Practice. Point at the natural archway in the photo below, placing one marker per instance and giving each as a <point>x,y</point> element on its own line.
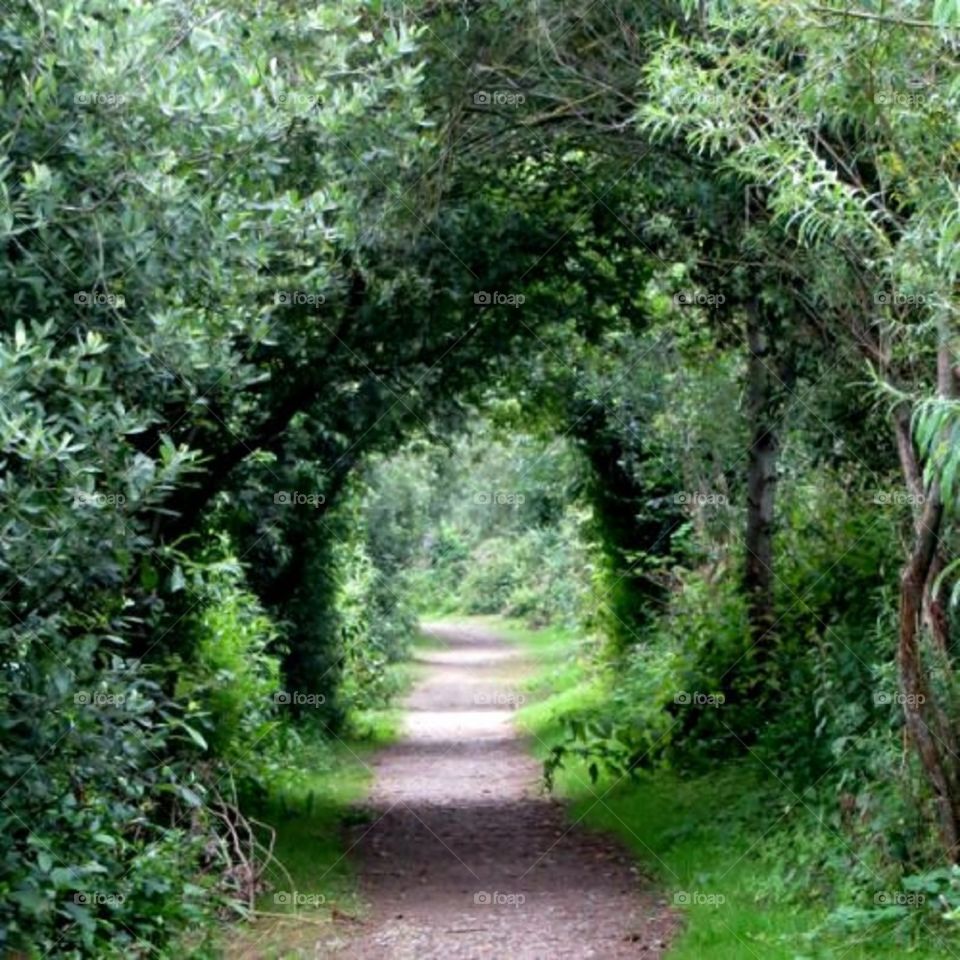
<point>282,283</point>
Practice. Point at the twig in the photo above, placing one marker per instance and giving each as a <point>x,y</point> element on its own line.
<point>296,917</point>
<point>881,18</point>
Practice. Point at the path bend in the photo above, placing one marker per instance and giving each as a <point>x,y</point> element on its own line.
<point>464,856</point>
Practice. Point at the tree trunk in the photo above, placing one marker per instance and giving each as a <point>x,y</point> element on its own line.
<point>758,576</point>
<point>928,726</point>
<point>934,611</point>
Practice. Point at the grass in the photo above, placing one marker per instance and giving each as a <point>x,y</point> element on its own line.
<point>310,811</point>
<point>753,872</point>
<point>725,835</point>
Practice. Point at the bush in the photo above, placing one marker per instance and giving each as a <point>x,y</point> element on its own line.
<point>230,665</point>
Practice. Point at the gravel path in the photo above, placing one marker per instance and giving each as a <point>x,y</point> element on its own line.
<point>464,856</point>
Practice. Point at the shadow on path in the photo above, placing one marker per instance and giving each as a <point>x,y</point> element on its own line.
<point>463,856</point>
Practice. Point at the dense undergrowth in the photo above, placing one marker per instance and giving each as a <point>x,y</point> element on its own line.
<point>635,318</point>
<point>310,882</point>
<point>792,799</point>
<point>758,865</point>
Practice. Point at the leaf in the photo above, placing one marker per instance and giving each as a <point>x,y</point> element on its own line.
<point>191,797</point>
<point>194,735</point>
<point>31,901</point>
<point>80,915</point>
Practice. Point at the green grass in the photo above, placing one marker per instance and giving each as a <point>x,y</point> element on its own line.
<point>727,834</point>
<point>310,811</point>
<point>754,868</point>
<point>309,815</point>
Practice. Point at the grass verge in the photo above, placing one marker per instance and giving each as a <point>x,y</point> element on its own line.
<point>313,884</point>
<point>753,868</point>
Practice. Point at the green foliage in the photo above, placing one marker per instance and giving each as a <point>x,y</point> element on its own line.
<point>689,692</point>
<point>302,337</point>
<point>793,870</point>
<point>93,857</point>
<point>493,525</point>
<point>376,626</point>
<point>230,674</point>
<point>168,171</point>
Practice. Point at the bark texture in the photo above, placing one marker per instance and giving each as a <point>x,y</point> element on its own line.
<point>758,575</point>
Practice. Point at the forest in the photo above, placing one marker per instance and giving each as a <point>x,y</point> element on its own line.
<point>353,349</point>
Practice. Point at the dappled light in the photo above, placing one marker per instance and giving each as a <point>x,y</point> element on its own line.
<point>479,479</point>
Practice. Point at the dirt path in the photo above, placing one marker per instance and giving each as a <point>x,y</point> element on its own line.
<point>464,856</point>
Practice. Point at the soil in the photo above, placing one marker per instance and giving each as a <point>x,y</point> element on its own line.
<point>463,854</point>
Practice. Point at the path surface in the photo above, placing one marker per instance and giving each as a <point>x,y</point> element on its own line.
<point>464,856</point>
